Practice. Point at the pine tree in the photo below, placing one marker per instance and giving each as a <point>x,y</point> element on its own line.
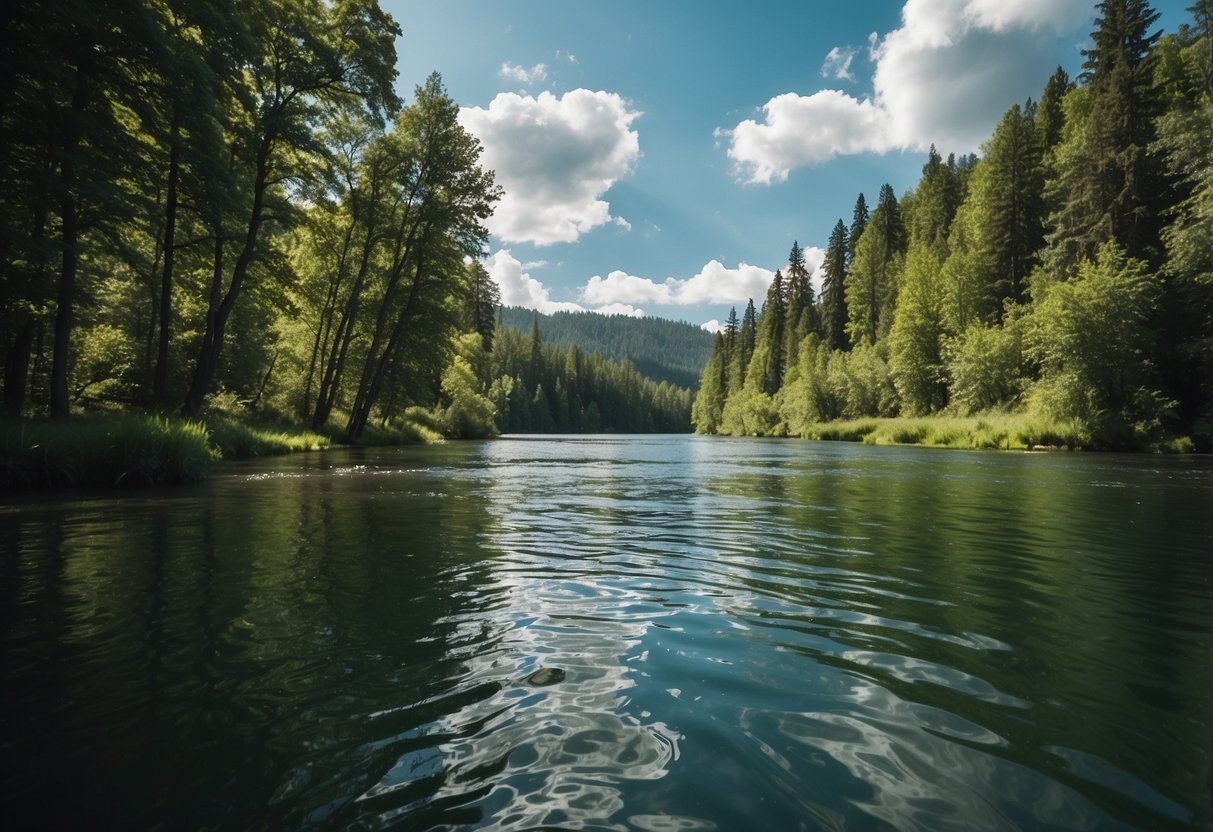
<point>871,283</point>
<point>1050,117</point>
<point>769,342</point>
<point>800,306</point>
<point>859,221</point>
<point>1107,185</point>
<point>1011,203</point>
<point>833,299</point>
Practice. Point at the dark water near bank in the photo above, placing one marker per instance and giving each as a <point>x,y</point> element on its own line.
<point>617,633</point>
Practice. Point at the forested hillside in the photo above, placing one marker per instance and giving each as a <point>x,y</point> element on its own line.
<point>548,388</point>
<point>1068,271</point>
<point>663,350</point>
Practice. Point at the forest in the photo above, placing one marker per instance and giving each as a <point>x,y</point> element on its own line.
<point>663,350</point>
<point>1067,273</point>
<point>218,209</point>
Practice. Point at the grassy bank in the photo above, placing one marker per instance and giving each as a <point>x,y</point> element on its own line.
<point>128,450</point>
<point>139,449</point>
<point>998,431</point>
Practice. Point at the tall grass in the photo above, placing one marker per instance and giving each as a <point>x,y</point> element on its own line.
<point>234,439</point>
<point>1005,431</point>
<point>128,450</point>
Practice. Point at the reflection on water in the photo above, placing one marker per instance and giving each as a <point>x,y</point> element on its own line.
<point>660,634</point>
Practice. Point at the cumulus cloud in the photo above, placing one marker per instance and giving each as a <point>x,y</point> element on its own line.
<point>539,72</point>
<point>944,76</point>
<point>715,283</point>
<point>555,158</point>
<point>518,288</point>
<point>838,64</point>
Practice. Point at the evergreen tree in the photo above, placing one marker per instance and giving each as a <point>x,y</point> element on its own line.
<point>1011,203</point>
<point>1050,117</point>
<point>1107,185</point>
<point>768,360</point>
<point>833,299</point>
<point>859,222</point>
<point>871,283</point>
<point>799,316</point>
<point>935,202</point>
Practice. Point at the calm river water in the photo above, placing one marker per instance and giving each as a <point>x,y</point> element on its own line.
<point>650,633</point>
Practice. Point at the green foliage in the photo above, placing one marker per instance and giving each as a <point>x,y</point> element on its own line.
<point>539,388</point>
<point>663,350</point>
<point>1090,339</point>
<point>915,342</point>
<point>986,366</point>
<point>468,414</point>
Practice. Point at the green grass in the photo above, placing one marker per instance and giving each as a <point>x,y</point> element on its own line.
<point>234,439</point>
<point>418,426</point>
<point>1004,431</point>
<point>128,450</point>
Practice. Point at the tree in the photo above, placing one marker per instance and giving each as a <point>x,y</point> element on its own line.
<point>1090,338</point>
<point>915,341</point>
<point>1009,195</point>
<point>800,318</point>
<point>314,58</point>
<point>871,282</point>
<point>859,222</point>
<point>833,298</point>
<point>1106,185</point>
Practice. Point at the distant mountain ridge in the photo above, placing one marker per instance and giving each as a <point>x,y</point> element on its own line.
<point>663,350</point>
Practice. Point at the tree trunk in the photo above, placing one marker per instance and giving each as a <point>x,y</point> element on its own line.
<point>60,400</point>
<point>16,369</point>
<point>160,379</point>
<point>219,312</point>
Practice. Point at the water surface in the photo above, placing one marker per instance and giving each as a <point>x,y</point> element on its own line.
<point>664,633</point>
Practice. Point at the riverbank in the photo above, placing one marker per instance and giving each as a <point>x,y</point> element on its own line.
<point>996,431</point>
<point>146,450</point>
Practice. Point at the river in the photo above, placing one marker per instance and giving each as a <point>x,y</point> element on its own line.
<point>648,633</point>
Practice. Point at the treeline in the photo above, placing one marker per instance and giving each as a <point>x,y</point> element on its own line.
<point>663,350</point>
<point>1068,271</point>
<point>225,200</point>
<point>538,387</point>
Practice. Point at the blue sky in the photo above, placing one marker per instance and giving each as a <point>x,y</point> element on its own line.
<point>659,158</point>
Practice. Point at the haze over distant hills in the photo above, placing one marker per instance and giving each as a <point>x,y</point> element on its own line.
<point>661,349</point>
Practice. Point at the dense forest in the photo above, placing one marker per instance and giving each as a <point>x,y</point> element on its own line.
<point>1067,272</point>
<point>539,387</point>
<point>223,205</point>
<point>660,349</point>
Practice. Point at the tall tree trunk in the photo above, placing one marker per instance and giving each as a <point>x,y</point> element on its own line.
<point>160,379</point>
<point>16,368</point>
<point>220,308</point>
<point>376,368</point>
<point>330,382</point>
<point>60,400</point>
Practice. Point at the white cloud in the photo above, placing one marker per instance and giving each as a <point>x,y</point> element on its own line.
<point>838,64</point>
<point>944,76</point>
<point>620,309</point>
<point>713,326</point>
<point>715,283</point>
<point>518,288</point>
<point>539,72</point>
<point>555,159</point>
